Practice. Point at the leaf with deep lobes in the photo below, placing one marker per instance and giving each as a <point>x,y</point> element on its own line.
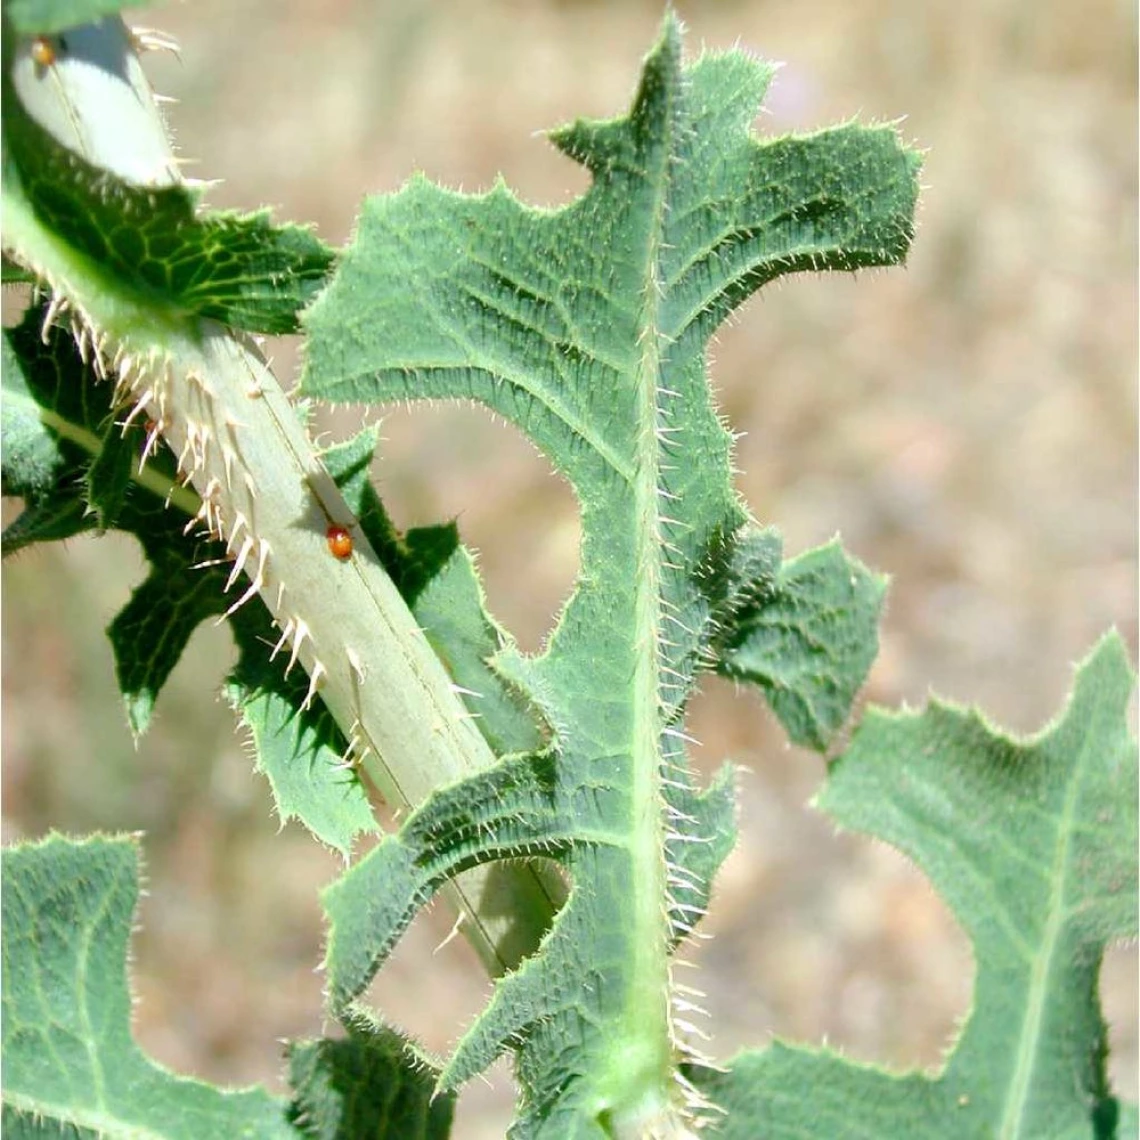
<point>587,327</point>
<point>71,1067</point>
<point>1033,844</point>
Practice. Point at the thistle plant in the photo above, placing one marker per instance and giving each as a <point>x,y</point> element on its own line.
<point>548,796</point>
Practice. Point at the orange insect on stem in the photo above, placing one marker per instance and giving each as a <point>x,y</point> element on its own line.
<point>43,51</point>
<point>340,543</point>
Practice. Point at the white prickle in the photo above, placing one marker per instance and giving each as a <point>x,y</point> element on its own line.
<point>229,457</point>
<point>201,516</point>
<point>300,635</point>
<point>151,39</point>
<point>239,563</point>
<point>240,523</point>
<point>356,664</point>
<point>56,306</point>
<point>258,582</point>
<point>286,633</point>
<point>152,438</point>
<point>316,676</point>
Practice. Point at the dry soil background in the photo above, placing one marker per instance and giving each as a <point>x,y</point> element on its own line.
<point>968,423</point>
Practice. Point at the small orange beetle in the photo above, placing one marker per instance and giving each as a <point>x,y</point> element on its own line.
<point>43,51</point>
<point>340,543</point>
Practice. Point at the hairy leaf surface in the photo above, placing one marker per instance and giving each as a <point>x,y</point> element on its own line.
<point>67,454</point>
<point>373,1083</point>
<point>70,1065</point>
<point>1033,844</point>
<point>587,328</point>
<point>59,425</point>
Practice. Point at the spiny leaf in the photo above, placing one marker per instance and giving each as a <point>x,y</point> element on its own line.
<point>154,245</point>
<point>372,1083</point>
<point>64,449</point>
<point>587,327</point>
<point>807,636</point>
<point>70,1065</point>
<point>59,425</point>
<point>1034,845</point>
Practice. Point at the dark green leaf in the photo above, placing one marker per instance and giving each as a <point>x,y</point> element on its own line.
<point>155,245</point>
<point>587,327</point>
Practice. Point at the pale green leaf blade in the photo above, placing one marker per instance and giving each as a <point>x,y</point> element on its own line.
<point>1033,843</point>
<point>782,1093</point>
<point>302,756</point>
<point>70,1064</point>
<point>1128,1124</point>
<point>507,812</point>
<point>452,610</point>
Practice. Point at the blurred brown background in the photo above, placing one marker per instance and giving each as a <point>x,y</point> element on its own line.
<point>968,423</point>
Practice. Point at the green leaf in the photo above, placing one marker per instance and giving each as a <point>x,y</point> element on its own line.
<point>32,454</point>
<point>153,247</point>
<point>54,423</point>
<point>32,16</point>
<point>70,1065</point>
<point>77,469</point>
<point>13,274</point>
<point>1033,844</point>
<point>587,327</point>
<point>807,636</point>
<point>109,475</point>
<point>301,752</point>
<point>372,1083</point>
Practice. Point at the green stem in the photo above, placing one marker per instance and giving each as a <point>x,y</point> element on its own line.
<point>261,487</point>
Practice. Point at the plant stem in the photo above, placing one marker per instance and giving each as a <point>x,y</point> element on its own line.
<point>263,489</point>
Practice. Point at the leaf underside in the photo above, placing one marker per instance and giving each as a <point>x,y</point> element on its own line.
<point>68,456</point>
<point>65,449</point>
<point>587,327</point>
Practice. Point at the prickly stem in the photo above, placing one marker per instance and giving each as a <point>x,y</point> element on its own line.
<point>212,397</point>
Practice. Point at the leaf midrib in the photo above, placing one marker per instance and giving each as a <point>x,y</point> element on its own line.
<point>648,998</point>
<point>1029,1039</point>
